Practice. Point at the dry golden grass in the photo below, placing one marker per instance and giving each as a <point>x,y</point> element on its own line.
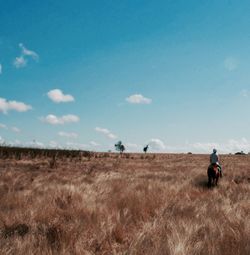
<point>138,204</point>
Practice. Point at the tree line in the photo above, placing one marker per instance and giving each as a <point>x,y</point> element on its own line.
<point>119,146</point>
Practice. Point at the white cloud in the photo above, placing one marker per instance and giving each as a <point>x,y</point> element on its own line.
<point>76,145</point>
<point>231,63</point>
<point>57,96</point>
<point>230,146</point>
<point>53,144</point>
<point>35,144</point>
<point>95,144</point>
<point>1,69</point>
<point>22,60</point>
<point>132,147</point>
<point>30,53</point>
<point>38,144</point>
<point>204,147</point>
<point>82,146</point>
<point>138,99</point>
<point>6,106</point>
<point>15,143</point>
<point>106,132</point>
<point>3,126</point>
<point>244,93</point>
<point>66,134</point>
<point>157,144</point>
<point>54,120</point>
<point>12,143</point>
<point>15,129</point>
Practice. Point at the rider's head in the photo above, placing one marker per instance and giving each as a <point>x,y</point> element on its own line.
<point>214,150</point>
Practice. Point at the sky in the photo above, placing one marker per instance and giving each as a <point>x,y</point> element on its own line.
<point>85,74</point>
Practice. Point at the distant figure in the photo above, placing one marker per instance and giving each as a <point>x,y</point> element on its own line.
<point>214,160</point>
<point>145,149</point>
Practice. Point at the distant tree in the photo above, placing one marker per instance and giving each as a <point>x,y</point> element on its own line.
<point>145,149</point>
<point>240,153</point>
<point>120,147</point>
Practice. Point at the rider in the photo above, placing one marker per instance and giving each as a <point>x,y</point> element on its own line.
<point>214,159</point>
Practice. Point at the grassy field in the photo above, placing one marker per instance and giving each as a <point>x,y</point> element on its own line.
<point>100,203</point>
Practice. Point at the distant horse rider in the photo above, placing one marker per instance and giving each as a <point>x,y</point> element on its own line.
<point>145,149</point>
<point>214,160</point>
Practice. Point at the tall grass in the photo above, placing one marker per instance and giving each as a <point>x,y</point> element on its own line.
<point>104,204</point>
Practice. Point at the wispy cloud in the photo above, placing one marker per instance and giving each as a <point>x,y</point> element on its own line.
<point>67,134</point>
<point>15,143</point>
<point>106,132</point>
<point>244,93</point>
<point>54,120</point>
<point>132,147</point>
<point>156,144</point>
<point>3,126</point>
<point>94,144</point>
<point>138,99</point>
<point>229,146</point>
<point>231,63</point>
<point>1,69</point>
<point>30,53</point>
<point>54,144</point>
<point>20,62</point>
<point>35,144</point>
<point>80,146</point>
<point>57,96</point>
<point>15,129</point>
<point>1,140</point>
<point>204,147</point>
<point>26,54</point>
<point>6,106</point>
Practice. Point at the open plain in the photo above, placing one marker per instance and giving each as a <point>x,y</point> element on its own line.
<point>102,203</point>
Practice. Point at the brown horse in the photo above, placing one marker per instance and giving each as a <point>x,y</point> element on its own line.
<point>213,175</point>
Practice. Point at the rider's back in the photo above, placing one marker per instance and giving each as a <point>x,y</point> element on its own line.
<point>214,158</point>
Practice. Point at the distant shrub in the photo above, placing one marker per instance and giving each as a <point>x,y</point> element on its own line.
<point>240,153</point>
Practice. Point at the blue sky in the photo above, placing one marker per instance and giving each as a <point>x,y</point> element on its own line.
<point>85,74</point>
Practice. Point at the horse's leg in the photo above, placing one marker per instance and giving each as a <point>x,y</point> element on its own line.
<point>209,184</point>
<point>217,178</point>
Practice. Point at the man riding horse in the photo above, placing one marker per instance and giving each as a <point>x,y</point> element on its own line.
<point>214,170</point>
<point>214,160</point>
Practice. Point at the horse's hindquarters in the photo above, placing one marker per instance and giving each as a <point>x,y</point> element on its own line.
<point>213,176</point>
